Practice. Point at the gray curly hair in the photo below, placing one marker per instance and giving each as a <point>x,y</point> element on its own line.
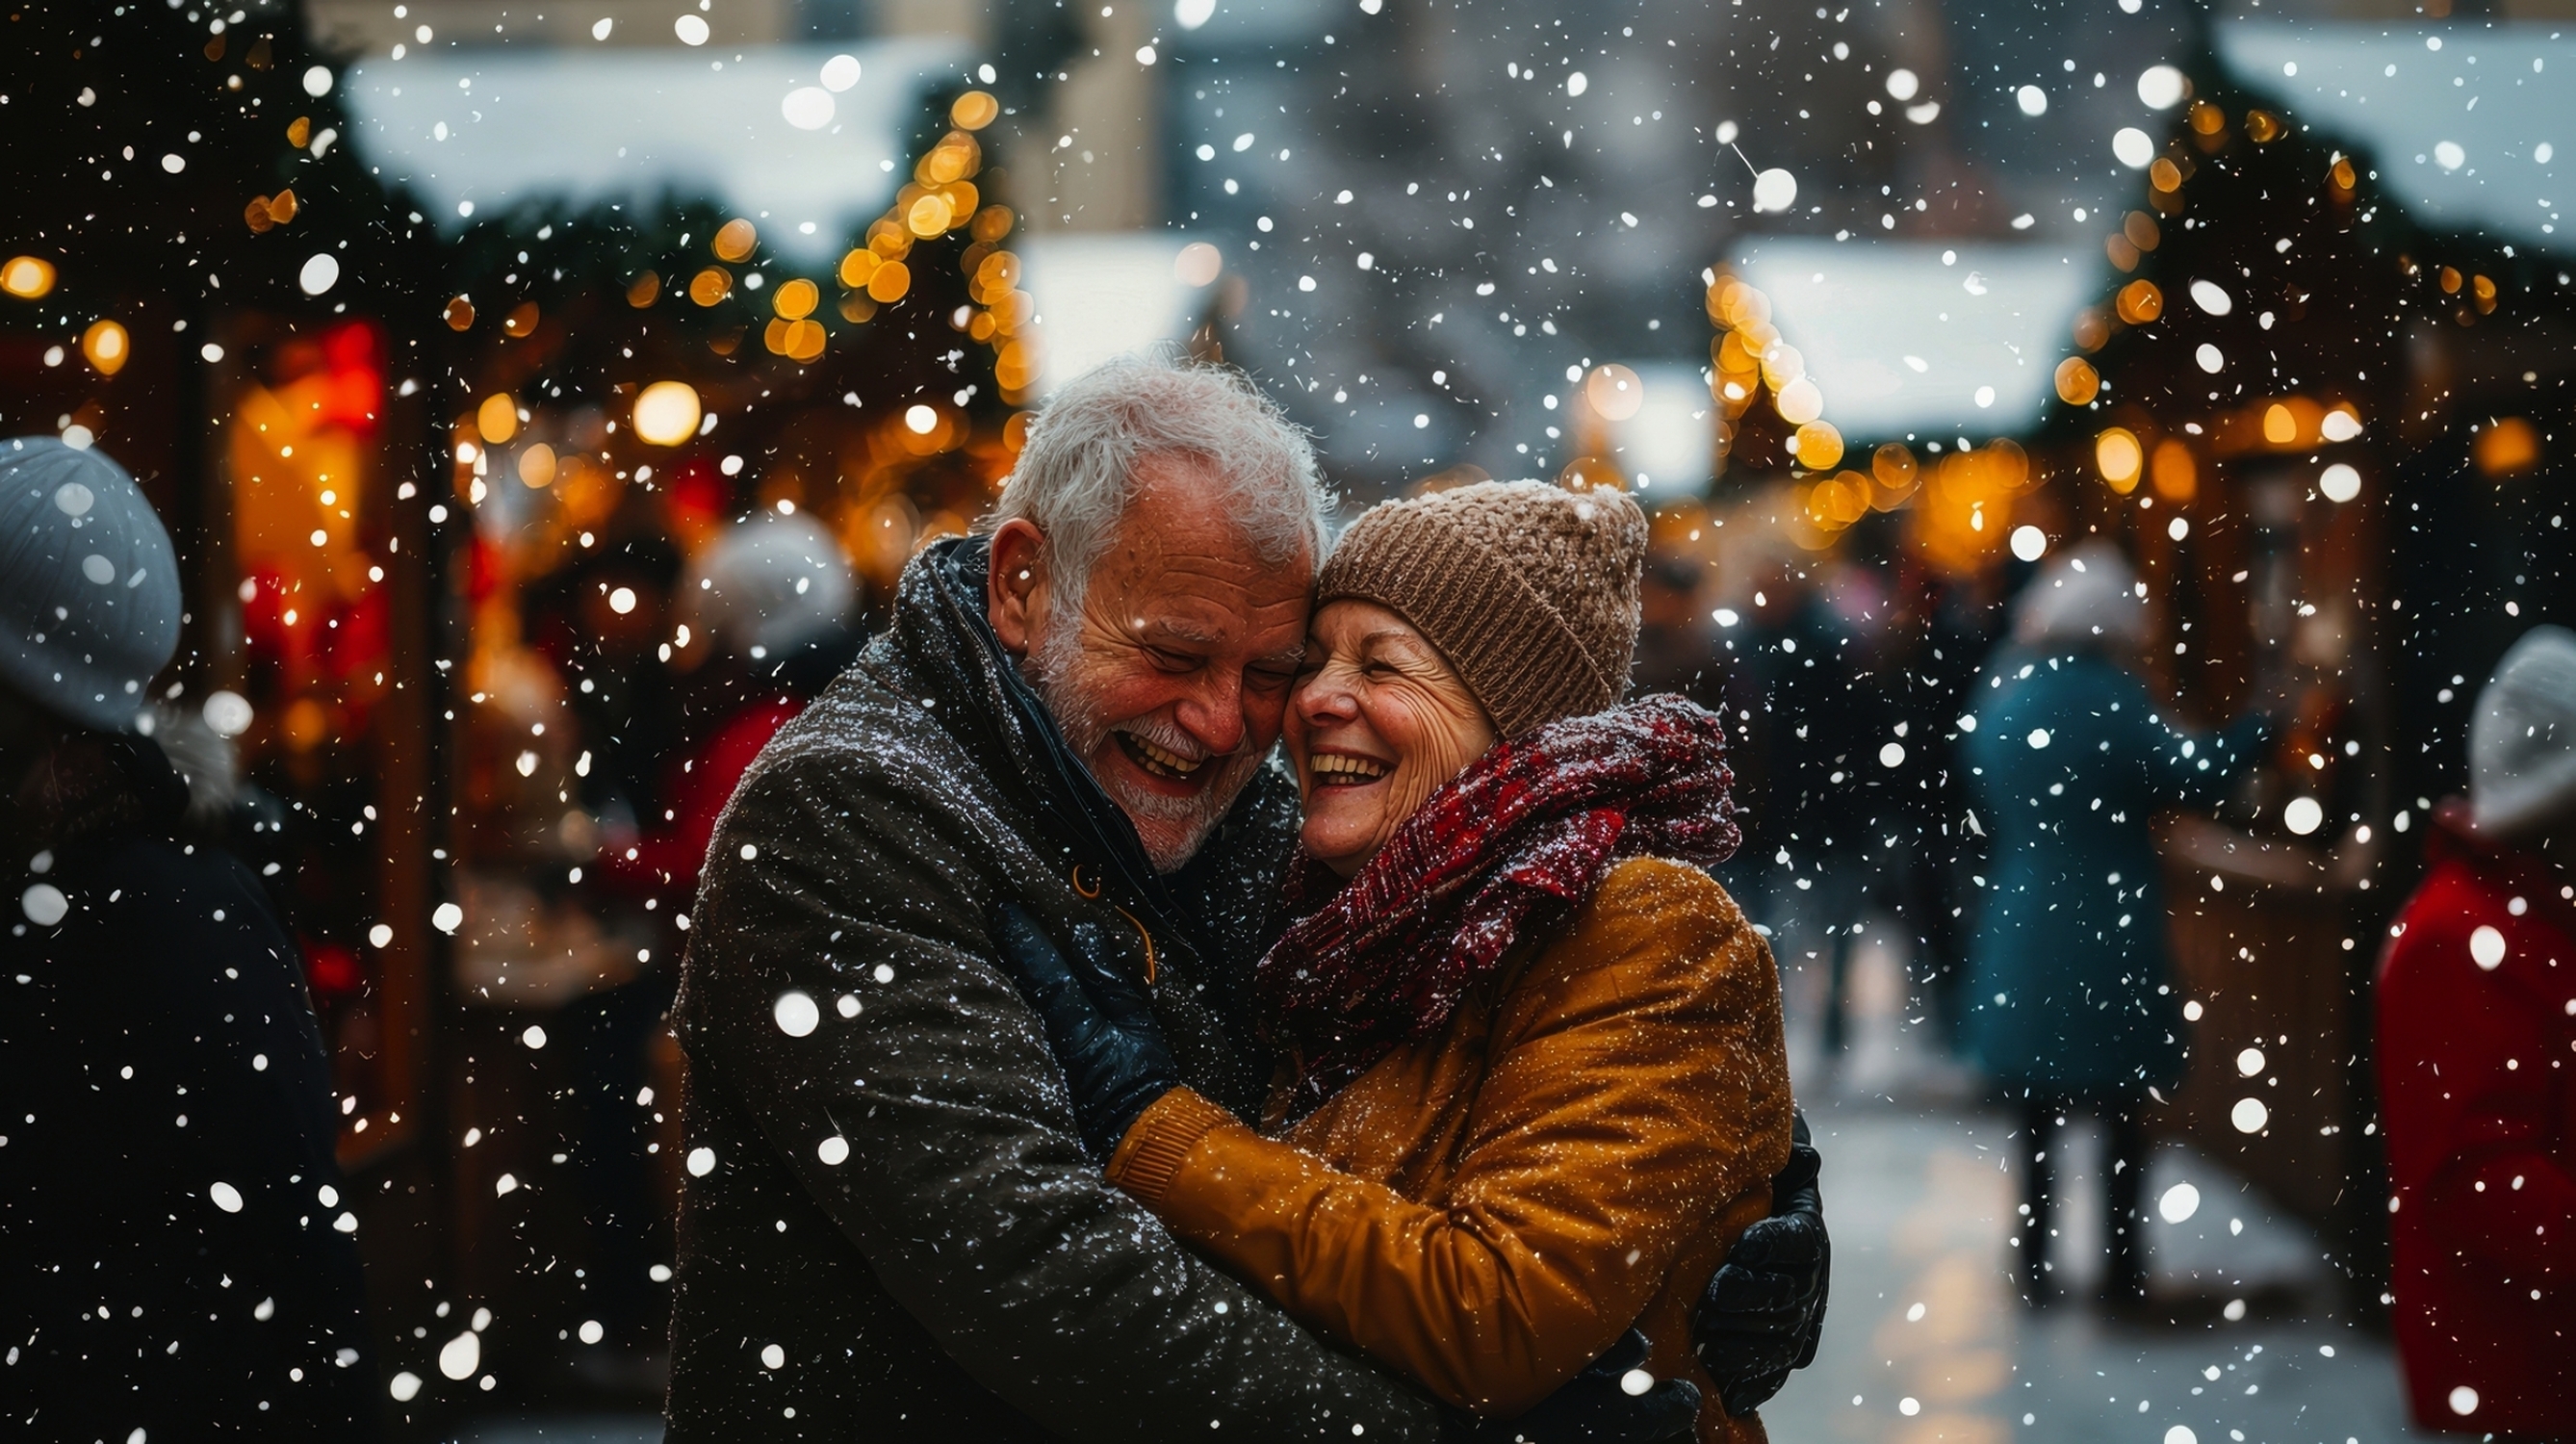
<point>1078,473</point>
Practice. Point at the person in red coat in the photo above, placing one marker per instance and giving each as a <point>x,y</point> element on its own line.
<point>2477,1072</point>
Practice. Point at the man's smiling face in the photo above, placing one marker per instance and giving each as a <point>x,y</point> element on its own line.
<point>1170,678</point>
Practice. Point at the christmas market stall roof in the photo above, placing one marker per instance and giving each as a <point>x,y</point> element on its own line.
<point>1104,294</point>
<point>2473,127</point>
<point>811,137</point>
<point>1929,338</point>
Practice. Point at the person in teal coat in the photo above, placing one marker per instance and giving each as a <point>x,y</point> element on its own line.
<point>2069,1002</point>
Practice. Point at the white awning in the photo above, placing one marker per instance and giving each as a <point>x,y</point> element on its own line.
<point>482,130</point>
<point>1921,337</point>
<point>2467,124</point>
<point>1103,295</point>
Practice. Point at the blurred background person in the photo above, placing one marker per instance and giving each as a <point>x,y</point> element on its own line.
<point>775,597</point>
<point>2069,999</point>
<point>175,1260</point>
<point>2475,991</point>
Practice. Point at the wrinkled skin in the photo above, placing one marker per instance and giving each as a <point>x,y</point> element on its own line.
<point>1184,642</point>
<point>1377,695</point>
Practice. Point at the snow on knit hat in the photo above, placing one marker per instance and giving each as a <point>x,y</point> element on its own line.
<point>1529,590</point>
<point>2522,738</point>
<point>89,587</point>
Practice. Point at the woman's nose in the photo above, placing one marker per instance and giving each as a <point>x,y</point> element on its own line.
<point>1325,696</point>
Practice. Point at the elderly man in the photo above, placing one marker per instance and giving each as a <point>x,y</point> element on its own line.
<point>891,1229</point>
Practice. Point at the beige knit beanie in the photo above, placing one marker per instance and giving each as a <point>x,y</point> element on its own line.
<point>1529,590</point>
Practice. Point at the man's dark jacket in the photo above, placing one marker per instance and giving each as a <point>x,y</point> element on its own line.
<point>890,1229</point>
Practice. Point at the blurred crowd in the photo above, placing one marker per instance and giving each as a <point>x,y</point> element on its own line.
<point>1966,766</point>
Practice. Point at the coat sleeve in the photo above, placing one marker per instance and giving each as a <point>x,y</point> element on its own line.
<point>1636,1083</point>
<point>964,1182</point>
<point>2470,1087</point>
<point>2183,768</point>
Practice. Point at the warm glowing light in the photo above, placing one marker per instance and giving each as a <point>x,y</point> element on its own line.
<point>27,277</point>
<point>1614,392</point>
<point>667,413</point>
<point>1799,402</point>
<point>1820,446</point>
<point>710,285</point>
<point>2077,382</point>
<point>497,418</point>
<point>856,267</point>
<point>2262,127</point>
<point>735,239</point>
<point>2164,175</point>
<point>928,216</point>
<point>2340,424</point>
<point>2176,475</point>
<point>1893,472</point>
<point>537,466</point>
<point>644,290</point>
<point>459,314</point>
<point>920,420</point>
<point>2279,427</point>
<point>796,300</point>
<point>2117,455</point>
<point>889,281</point>
<point>2140,302</point>
<point>973,111</point>
<point>106,347</point>
<point>2506,447</point>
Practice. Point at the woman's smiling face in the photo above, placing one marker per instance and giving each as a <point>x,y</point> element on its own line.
<point>1377,722</point>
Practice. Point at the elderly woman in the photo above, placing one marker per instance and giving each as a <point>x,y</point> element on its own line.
<point>1533,1085</point>
<point>2069,1000</point>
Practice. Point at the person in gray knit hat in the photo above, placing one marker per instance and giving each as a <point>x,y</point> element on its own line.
<point>1534,1085</point>
<point>89,588</point>
<point>164,1279</point>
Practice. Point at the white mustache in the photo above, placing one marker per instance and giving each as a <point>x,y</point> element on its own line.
<point>1169,736</point>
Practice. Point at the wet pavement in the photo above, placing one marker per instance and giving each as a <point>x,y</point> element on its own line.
<point>1927,1339</point>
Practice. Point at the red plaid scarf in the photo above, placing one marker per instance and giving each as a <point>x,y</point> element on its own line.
<point>1508,847</point>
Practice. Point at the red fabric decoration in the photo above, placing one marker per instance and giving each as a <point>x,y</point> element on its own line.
<point>1511,845</point>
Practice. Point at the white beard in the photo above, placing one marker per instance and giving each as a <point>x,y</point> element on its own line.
<point>1171,828</point>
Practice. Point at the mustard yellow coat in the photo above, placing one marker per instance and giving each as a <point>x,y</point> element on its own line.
<point>1489,1208</point>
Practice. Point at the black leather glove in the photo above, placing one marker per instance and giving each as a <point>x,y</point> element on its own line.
<point>1595,1407</point>
<point>1100,1026</point>
<point>1765,1307</point>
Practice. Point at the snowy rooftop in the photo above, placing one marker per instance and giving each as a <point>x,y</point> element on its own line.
<point>1912,337</point>
<point>776,131</point>
<point>1103,295</point>
<point>2466,123</point>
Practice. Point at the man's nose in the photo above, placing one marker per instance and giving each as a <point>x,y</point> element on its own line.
<point>1213,712</point>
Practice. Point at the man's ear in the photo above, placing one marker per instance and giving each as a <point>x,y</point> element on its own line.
<point>1015,585</point>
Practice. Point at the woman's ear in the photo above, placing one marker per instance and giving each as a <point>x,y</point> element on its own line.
<point>1015,587</point>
